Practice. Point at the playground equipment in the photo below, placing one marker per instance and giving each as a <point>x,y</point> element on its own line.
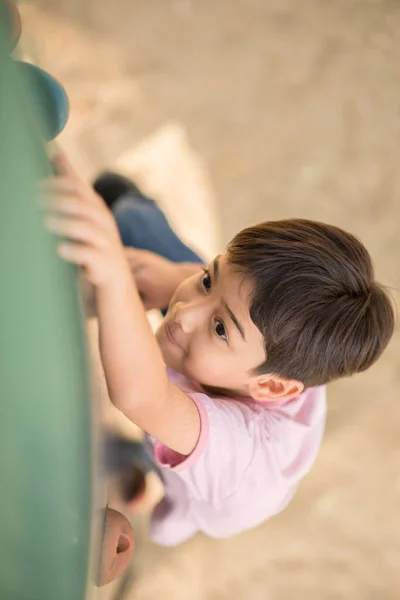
<point>47,99</point>
<point>57,537</point>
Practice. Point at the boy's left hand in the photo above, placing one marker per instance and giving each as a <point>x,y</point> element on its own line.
<point>80,215</point>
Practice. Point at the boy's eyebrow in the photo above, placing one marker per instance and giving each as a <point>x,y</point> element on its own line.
<point>234,319</point>
<point>228,310</point>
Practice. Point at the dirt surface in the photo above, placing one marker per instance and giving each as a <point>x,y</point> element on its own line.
<point>271,110</point>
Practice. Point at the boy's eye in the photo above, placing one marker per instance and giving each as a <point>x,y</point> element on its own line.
<point>206,281</point>
<point>220,330</point>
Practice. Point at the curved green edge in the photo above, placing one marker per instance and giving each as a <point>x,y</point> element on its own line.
<point>45,419</point>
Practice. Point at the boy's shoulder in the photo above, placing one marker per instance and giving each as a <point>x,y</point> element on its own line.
<point>306,410</point>
<point>241,439</point>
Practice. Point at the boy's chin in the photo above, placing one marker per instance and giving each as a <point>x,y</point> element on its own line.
<point>171,361</point>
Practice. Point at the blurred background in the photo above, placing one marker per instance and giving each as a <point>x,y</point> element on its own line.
<point>229,113</point>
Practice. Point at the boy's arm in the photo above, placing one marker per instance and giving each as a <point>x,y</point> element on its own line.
<point>135,372</point>
<point>156,277</point>
<point>133,364</point>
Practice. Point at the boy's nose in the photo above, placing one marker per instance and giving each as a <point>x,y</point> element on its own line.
<point>189,315</point>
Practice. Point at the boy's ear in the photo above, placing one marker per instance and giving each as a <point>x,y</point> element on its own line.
<point>264,388</point>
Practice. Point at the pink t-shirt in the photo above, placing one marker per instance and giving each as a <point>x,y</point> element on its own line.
<point>245,468</point>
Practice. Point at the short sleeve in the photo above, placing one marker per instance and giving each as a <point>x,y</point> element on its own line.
<point>226,445</point>
<point>174,460</point>
<point>247,463</point>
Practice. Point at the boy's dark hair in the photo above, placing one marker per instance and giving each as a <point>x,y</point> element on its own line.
<point>315,300</point>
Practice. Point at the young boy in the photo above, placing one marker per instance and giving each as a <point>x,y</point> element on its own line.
<point>231,389</point>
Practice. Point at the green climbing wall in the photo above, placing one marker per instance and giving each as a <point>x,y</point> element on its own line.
<point>45,420</point>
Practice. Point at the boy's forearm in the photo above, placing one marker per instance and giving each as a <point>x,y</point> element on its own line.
<point>135,371</point>
<point>187,269</point>
<point>132,360</point>
<point>183,271</point>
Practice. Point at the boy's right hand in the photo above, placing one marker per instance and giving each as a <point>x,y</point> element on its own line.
<point>156,277</point>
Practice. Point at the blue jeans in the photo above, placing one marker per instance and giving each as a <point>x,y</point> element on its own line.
<point>143,225</point>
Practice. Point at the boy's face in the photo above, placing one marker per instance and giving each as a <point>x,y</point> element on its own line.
<point>208,334</point>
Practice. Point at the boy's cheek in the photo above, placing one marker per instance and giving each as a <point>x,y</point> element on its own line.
<point>208,369</point>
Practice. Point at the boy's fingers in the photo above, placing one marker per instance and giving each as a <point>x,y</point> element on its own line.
<point>63,167</point>
<point>75,229</point>
<point>68,205</point>
<point>66,171</point>
<point>56,186</point>
<point>69,182</point>
<point>141,278</point>
<point>76,253</point>
<point>59,185</point>
<point>136,258</point>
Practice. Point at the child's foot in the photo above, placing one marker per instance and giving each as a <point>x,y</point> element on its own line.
<point>111,186</point>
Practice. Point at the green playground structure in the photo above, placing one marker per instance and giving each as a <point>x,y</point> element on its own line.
<point>50,536</point>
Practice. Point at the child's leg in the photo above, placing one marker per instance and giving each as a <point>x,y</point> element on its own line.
<point>141,223</point>
<point>144,226</point>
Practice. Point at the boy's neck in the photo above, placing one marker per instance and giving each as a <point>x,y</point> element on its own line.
<point>215,391</point>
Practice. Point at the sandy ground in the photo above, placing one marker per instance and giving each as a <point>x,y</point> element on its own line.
<point>231,113</point>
